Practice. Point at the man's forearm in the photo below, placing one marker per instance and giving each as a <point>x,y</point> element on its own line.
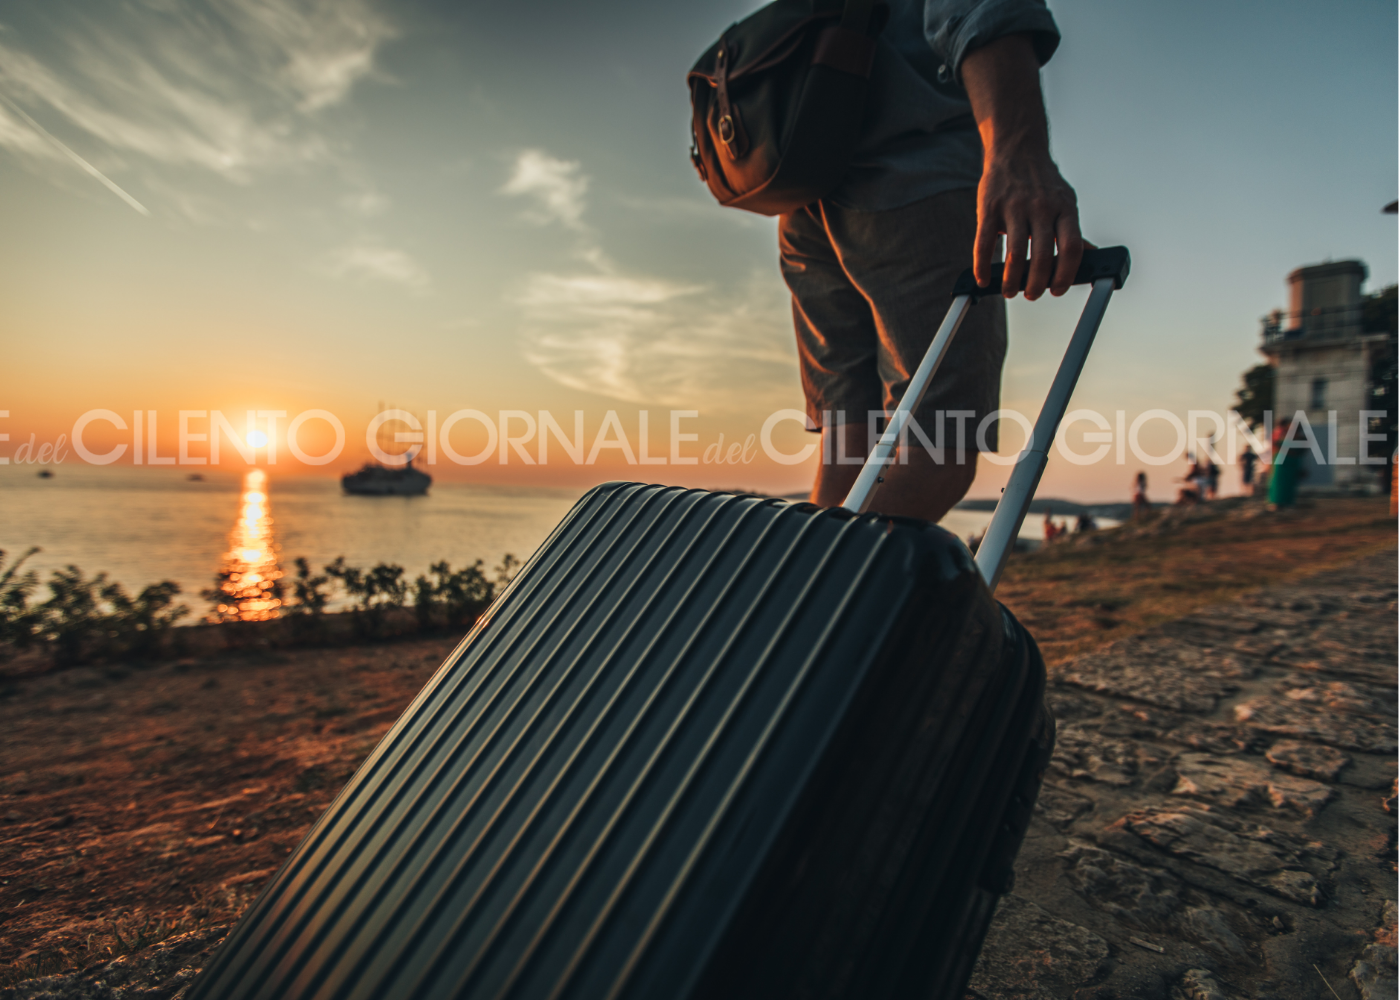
<point>1021,193</point>
<point>1003,84</point>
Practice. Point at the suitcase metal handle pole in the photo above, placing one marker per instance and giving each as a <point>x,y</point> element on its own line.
<point>1106,270</point>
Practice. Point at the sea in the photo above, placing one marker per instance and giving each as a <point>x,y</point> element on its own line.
<point>144,525</point>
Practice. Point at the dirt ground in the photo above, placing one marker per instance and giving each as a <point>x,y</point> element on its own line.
<point>139,803</point>
<point>1077,594</point>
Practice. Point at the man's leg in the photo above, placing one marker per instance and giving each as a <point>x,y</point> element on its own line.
<point>904,263</point>
<point>869,290</point>
<point>919,488</point>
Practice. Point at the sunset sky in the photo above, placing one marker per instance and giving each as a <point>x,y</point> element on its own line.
<point>250,204</point>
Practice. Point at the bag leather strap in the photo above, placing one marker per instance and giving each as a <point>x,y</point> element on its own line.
<point>731,129</point>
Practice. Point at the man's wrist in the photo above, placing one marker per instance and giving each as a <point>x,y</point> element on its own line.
<point>1022,156</point>
<point>1015,139</point>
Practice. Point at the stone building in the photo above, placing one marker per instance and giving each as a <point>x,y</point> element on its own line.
<point>1323,362</point>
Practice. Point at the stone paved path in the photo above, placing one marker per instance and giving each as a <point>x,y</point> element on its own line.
<point>1218,822</point>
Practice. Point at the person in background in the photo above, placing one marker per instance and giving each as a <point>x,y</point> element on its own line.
<point>1086,522</point>
<point>1140,502</point>
<point>1247,462</point>
<point>1211,479</point>
<point>1190,491</point>
<point>1285,471</point>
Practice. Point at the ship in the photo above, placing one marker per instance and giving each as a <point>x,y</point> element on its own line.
<point>376,480</point>
<point>379,480</point>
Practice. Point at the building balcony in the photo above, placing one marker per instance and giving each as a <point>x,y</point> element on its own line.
<point>1315,327</point>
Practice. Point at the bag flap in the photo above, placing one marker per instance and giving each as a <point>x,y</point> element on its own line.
<point>771,34</point>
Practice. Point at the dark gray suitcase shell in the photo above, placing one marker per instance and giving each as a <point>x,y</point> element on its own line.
<point>705,745</point>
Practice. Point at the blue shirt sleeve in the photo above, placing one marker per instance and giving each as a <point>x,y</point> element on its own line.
<point>956,27</point>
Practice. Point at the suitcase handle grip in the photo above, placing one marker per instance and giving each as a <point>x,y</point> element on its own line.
<point>1102,262</point>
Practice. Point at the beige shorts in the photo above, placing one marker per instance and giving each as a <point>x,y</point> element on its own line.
<point>869,290</point>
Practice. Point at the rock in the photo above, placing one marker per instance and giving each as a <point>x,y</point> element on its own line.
<point>1148,899</point>
<point>1318,723</point>
<point>1060,807</point>
<point>1159,670</point>
<point>1255,856</point>
<point>1213,737</point>
<point>1208,926</point>
<point>1299,794</point>
<point>1235,781</point>
<point>1388,803</point>
<point>1198,984</point>
<point>1227,780</point>
<point>1067,705</point>
<point>1087,755</point>
<point>1308,760</point>
<point>1142,898</point>
<point>1359,699</point>
<point>1377,672</point>
<point>1374,972</point>
<point>1031,954</point>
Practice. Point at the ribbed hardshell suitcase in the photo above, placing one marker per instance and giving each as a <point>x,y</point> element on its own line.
<point>705,745</point>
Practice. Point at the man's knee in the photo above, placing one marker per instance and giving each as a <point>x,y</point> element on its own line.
<point>953,479</point>
<point>927,489</point>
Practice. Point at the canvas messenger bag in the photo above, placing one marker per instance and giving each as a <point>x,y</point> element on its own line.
<point>777,102</point>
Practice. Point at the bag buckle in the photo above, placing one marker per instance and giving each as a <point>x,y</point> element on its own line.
<point>729,127</point>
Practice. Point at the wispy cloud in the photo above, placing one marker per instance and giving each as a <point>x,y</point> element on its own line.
<point>228,87</point>
<point>639,337</point>
<point>372,260</point>
<point>649,340</point>
<point>557,188</point>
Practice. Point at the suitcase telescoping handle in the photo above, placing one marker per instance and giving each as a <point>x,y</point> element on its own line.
<point>1106,270</point>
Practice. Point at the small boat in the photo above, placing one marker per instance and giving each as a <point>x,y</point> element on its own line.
<point>46,473</point>
<point>383,481</point>
<point>195,477</point>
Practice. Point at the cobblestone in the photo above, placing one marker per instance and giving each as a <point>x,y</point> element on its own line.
<point>1219,811</point>
<point>1308,759</point>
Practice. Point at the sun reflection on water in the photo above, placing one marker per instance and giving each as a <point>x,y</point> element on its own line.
<point>250,581</point>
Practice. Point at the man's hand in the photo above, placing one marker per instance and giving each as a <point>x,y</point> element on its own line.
<point>1021,193</point>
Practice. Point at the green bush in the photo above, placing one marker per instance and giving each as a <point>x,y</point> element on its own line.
<point>17,621</point>
<point>374,593</point>
<point>87,618</point>
<point>451,598</point>
<point>307,608</point>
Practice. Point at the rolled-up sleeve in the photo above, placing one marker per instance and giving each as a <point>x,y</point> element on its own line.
<point>956,27</point>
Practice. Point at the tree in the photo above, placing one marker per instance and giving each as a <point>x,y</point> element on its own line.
<point>1256,396</point>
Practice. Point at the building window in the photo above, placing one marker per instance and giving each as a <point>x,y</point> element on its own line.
<point>1319,394</point>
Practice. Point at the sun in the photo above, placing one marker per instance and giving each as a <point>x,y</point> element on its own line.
<point>257,439</point>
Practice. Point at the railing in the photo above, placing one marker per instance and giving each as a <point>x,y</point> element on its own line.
<point>1330,323</point>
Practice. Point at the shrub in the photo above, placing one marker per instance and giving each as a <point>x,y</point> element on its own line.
<point>454,597</point>
<point>309,593</point>
<point>93,617</point>
<point>374,592</point>
<point>17,620</point>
